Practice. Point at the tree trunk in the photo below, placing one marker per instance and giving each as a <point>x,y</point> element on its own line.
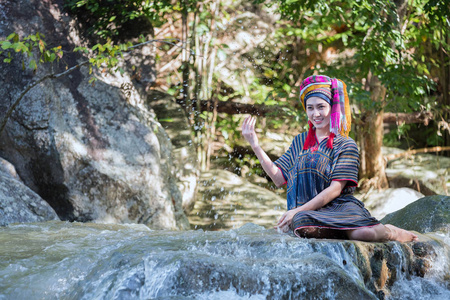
<point>445,82</point>
<point>372,170</point>
<point>185,53</point>
<point>374,166</point>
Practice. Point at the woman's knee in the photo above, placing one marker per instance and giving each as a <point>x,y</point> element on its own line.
<point>308,232</point>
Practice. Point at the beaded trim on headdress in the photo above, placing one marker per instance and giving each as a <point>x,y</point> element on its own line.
<point>340,120</point>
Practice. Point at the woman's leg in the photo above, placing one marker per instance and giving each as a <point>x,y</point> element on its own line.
<point>381,233</point>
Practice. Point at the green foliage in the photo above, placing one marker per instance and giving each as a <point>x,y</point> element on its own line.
<point>109,18</point>
<point>33,47</point>
<point>380,44</point>
<point>230,128</point>
<point>105,56</point>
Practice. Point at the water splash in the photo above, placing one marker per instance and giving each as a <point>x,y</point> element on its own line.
<point>59,260</point>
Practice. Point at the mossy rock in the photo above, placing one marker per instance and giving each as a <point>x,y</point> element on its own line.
<point>427,214</point>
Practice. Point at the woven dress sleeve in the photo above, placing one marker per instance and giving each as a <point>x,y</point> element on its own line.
<point>286,161</point>
<point>346,163</point>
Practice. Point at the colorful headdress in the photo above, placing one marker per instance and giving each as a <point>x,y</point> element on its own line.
<point>334,91</point>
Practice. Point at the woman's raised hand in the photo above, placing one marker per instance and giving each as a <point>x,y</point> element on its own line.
<point>248,131</point>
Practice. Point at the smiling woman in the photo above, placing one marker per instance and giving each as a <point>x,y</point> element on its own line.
<point>320,169</point>
<point>319,112</point>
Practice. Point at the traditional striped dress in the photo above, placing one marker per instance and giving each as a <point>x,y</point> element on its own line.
<point>308,172</point>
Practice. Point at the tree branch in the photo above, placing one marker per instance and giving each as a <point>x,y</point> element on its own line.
<point>416,151</point>
<point>230,107</point>
<point>234,108</point>
<point>408,118</point>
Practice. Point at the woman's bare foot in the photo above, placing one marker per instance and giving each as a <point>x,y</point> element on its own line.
<point>400,235</point>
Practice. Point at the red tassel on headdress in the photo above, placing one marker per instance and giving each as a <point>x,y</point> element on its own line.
<point>330,140</point>
<point>310,140</point>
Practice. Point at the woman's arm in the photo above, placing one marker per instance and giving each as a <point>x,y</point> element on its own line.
<point>322,199</point>
<point>248,131</point>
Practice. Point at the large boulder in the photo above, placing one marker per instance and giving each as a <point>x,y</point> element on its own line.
<point>19,204</point>
<point>428,214</point>
<point>93,152</point>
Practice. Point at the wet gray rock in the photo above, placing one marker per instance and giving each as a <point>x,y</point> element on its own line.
<point>8,169</point>
<point>428,214</point>
<point>19,204</point>
<point>93,152</point>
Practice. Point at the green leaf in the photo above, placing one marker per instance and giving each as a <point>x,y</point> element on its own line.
<point>32,64</point>
<point>6,45</point>
<point>7,60</point>
<point>169,120</point>
<point>11,36</point>
<point>41,46</point>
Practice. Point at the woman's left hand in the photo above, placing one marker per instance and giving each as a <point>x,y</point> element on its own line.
<point>286,219</point>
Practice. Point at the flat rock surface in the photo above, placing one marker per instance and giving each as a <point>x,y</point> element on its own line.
<point>427,173</point>
<point>226,201</point>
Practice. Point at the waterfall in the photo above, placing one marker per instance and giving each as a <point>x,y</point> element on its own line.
<point>61,260</point>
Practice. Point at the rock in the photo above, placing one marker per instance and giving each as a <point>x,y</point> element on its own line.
<point>428,214</point>
<point>226,201</point>
<point>19,204</point>
<point>8,169</point>
<point>425,173</point>
<point>381,203</point>
<point>173,119</point>
<point>93,152</point>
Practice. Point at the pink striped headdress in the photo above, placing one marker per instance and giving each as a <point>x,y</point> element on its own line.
<point>319,85</point>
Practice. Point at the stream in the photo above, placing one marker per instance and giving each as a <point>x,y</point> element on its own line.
<point>61,260</point>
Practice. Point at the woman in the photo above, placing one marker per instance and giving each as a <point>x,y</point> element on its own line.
<point>320,169</point>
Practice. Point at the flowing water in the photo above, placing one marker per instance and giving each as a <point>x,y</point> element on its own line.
<point>60,260</point>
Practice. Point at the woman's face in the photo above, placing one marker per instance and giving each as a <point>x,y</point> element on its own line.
<point>318,111</point>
